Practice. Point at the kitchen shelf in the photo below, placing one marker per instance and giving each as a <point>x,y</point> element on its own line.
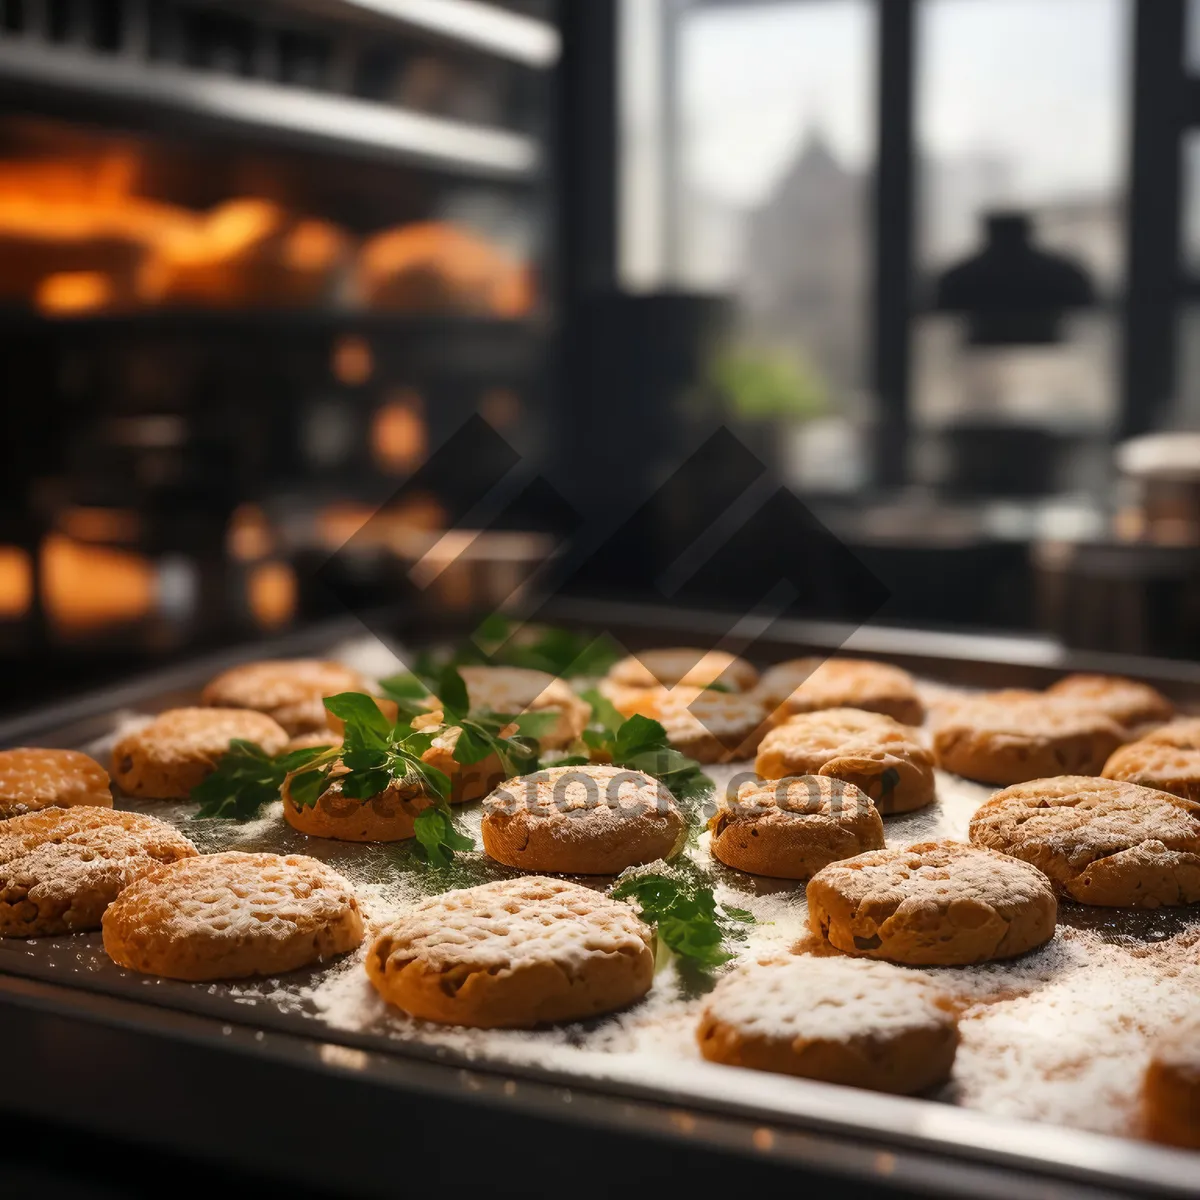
<point>331,124</point>
<point>466,24</point>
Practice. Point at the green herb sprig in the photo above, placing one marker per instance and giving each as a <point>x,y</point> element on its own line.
<point>247,777</point>
<point>375,753</point>
<point>496,642</point>
<point>480,729</point>
<point>639,744</point>
<point>685,914</point>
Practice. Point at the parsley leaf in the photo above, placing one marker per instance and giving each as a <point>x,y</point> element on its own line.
<point>561,652</point>
<point>375,753</point>
<point>481,730</point>
<point>437,836</point>
<point>640,744</point>
<point>246,778</point>
<point>685,914</point>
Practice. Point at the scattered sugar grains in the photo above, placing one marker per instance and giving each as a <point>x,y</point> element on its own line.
<point>1060,1035</point>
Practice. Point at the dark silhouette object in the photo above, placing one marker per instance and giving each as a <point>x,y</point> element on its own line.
<point>1011,292</point>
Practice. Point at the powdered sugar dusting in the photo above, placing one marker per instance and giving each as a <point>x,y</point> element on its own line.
<point>1060,1035</point>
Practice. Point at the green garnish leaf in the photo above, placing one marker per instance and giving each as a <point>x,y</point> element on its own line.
<point>604,712</point>
<point>686,915</point>
<point>641,744</point>
<point>437,836</point>
<point>246,778</point>
<point>365,724</point>
<point>452,693</point>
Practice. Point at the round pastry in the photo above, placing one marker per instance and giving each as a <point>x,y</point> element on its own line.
<point>1131,704</point>
<point>1167,759</point>
<point>181,747</point>
<point>936,904</point>
<point>62,867</point>
<point>581,821</point>
<point>791,828</point>
<point>707,725</point>
<point>386,817</point>
<point>1171,1088</point>
<point>686,665</point>
<point>810,684</point>
<point>1012,736</point>
<point>1100,841</point>
<point>860,1024</point>
<point>231,915</point>
<point>32,779</point>
<point>289,690</point>
<point>514,954</point>
<point>468,781</point>
<point>515,690</point>
<point>872,751</point>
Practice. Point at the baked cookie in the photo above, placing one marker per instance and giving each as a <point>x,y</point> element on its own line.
<point>839,1020</point>
<point>231,915</point>
<point>1171,1089</point>
<point>1134,706</point>
<point>936,904</point>
<point>468,781</point>
<point>387,817</point>
<point>872,751</point>
<point>1168,759</point>
<point>514,954</point>
<point>687,665</point>
<point>289,690</point>
<point>62,867</point>
<point>707,725</point>
<point>32,779</point>
<point>520,689</point>
<point>581,821</point>
<point>810,684</point>
<point>791,828</point>
<point>181,747</point>
<point>1100,841</point>
<point>1012,736</point>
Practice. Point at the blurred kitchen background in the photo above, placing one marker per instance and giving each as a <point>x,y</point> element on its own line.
<point>316,303</point>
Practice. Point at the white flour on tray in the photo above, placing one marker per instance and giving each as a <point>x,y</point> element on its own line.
<point>1060,1035</point>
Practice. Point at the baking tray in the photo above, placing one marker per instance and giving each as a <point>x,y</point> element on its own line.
<point>645,1058</point>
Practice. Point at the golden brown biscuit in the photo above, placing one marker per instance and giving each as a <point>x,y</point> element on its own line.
<point>1171,1088</point>
<point>810,684</point>
<point>514,954</point>
<point>231,915</point>
<point>1167,759</point>
<point>32,779</point>
<point>181,747</point>
<point>708,726</point>
<point>936,904</point>
<point>1011,736</point>
<point>872,751</point>
<point>1099,841</point>
<point>791,828</point>
<point>289,690</point>
<point>686,665</point>
<point>839,1020</point>
<point>581,821</point>
<point>515,690</point>
<point>1132,705</point>
<point>468,781</point>
<point>62,867</point>
<point>387,817</point>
